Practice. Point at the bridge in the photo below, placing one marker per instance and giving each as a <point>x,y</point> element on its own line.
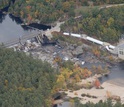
<point>23,38</point>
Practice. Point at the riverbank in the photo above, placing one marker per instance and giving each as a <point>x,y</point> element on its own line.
<point>7,34</point>
<point>47,53</point>
<point>108,90</point>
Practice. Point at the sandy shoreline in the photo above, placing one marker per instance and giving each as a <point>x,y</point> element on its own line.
<point>109,89</point>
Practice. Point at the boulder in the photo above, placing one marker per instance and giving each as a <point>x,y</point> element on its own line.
<point>78,50</point>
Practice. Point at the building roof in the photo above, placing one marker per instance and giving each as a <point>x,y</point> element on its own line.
<point>121,46</point>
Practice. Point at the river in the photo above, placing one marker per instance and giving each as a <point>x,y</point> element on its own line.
<point>11,27</point>
<point>116,76</point>
<point>64,104</point>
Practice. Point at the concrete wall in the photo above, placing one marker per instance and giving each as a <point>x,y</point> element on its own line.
<point>121,53</point>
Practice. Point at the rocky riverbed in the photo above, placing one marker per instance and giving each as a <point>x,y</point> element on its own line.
<point>83,56</point>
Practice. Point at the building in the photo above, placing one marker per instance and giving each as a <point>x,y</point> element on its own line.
<point>121,51</point>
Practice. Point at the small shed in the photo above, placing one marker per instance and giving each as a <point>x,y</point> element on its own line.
<point>121,51</point>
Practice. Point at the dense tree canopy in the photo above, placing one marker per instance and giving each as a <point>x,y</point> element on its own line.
<point>47,11</point>
<point>108,103</point>
<point>105,24</point>
<point>24,82</point>
<point>4,3</point>
<point>27,82</point>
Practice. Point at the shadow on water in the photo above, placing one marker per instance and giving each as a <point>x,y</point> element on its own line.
<point>19,22</point>
<point>26,27</point>
<point>30,26</point>
<point>16,19</point>
<point>2,17</point>
<point>40,26</point>
<point>12,27</point>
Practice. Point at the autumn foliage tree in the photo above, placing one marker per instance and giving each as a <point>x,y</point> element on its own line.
<point>96,51</point>
<point>97,83</point>
<point>98,23</point>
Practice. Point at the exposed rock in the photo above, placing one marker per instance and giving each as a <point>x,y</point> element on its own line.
<point>78,50</point>
<point>71,47</point>
<point>115,97</point>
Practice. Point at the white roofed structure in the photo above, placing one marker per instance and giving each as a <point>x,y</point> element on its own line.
<point>119,50</point>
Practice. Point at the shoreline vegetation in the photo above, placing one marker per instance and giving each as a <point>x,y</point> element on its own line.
<point>57,10</point>
<point>86,90</point>
<point>23,78</point>
<point>108,91</point>
<point>105,24</point>
<point>21,81</point>
<point>32,82</point>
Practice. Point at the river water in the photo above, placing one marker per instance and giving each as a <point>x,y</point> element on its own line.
<point>116,76</point>
<point>11,27</point>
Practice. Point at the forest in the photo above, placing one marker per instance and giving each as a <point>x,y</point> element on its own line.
<point>4,3</point>
<point>24,81</point>
<point>28,82</point>
<point>108,103</point>
<point>48,11</point>
<point>105,24</point>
